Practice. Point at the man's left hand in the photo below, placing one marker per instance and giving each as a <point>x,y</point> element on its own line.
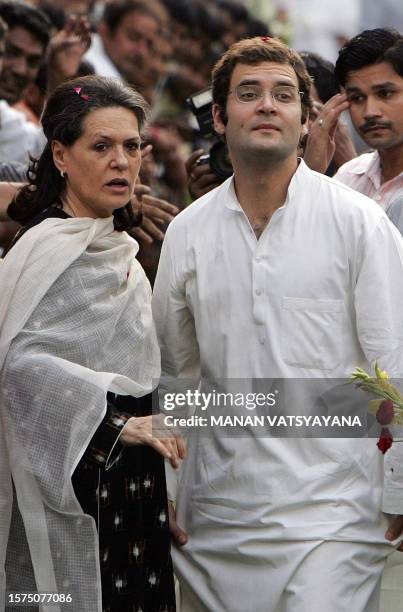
<point>395,529</point>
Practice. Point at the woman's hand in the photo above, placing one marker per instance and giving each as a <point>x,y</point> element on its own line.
<point>152,431</point>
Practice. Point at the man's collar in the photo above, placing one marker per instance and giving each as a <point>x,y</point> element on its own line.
<point>232,202</point>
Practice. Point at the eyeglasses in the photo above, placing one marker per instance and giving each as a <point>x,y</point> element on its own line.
<point>282,94</point>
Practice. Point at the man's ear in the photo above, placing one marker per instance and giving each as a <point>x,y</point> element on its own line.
<point>217,119</point>
<point>58,151</point>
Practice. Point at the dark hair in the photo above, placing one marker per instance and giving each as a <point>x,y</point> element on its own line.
<point>181,11</point>
<point>237,11</point>
<point>3,28</point>
<point>19,14</point>
<point>322,73</point>
<point>255,51</point>
<point>62,120</point>
<point>115,12</point>
<point>370,47</point>
<point>55,14</point>
<point>256,27</point>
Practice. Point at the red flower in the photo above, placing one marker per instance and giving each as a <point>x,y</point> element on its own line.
<point>385,440</point>
<point>385,412</point>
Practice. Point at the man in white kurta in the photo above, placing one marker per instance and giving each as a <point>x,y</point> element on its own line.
<point>316,290</point>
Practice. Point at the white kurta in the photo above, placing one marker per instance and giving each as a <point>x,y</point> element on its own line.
<point>318,294</point>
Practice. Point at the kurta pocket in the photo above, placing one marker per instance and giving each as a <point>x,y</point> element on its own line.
<point>311,332</point>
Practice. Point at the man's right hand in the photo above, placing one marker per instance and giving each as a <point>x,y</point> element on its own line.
<point>320,144</point>
<point>178,535</point>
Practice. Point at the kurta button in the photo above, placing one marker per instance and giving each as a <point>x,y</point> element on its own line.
<point>261,340</point>
<point>258,291</point>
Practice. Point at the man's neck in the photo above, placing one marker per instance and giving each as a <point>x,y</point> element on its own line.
<point>391,163</point>
<point>261,192</point>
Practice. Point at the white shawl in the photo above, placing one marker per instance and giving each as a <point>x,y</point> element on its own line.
<point>76,323</point>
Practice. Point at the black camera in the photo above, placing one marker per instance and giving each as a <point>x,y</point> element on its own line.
<point>201,104</point>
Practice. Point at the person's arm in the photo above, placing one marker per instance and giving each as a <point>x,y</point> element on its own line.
<point>378,304</point>
<point>119,429</point>
<point>177,337</point>
<point>104,447</point>
<point>173,318</point>
<point>7,192</point>
<point>66,49</point>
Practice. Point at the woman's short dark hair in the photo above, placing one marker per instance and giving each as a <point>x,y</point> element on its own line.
<point>62,120</point>
<point>368,48</point>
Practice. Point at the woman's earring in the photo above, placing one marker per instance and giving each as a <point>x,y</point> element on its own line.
<point>62,173</point>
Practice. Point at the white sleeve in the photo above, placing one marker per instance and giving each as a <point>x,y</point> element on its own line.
<point>175,326</point>
<point>379,313</point>
<point>173,318</point>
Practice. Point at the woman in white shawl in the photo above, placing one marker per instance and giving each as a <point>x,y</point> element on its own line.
<point>82,483</point>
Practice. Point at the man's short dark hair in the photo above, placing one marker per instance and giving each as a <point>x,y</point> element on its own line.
<point>255,51</point>
<point>368,48</point>
<point>322,73</point>
<point>20,14</point>
<point>115,12</point>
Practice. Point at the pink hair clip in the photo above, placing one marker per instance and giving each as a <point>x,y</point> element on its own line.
<point>265,38</point>
<point>82,95</point>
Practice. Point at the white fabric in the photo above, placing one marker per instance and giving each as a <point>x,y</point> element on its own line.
<point>320,27</point>
<point>380,14</point>
<point>76,323</point>
<point>392,585</point>
<point>363,173</point>
<point>100,60</point>
<point>19,138</point>
<point>313,577</point>
<point>317,295</point>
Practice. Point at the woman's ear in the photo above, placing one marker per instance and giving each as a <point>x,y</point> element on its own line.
<point>58,151</point>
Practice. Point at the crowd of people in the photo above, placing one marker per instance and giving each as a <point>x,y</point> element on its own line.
<point>115,117</point>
